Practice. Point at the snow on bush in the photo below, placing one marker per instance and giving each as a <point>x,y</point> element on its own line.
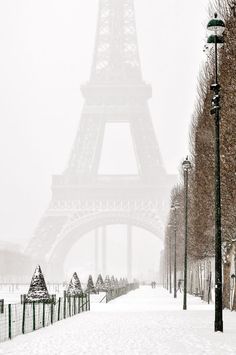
<point>38,290</point>
<point>74,288</point>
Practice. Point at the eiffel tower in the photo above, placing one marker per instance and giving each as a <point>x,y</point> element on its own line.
<point>83,200</point>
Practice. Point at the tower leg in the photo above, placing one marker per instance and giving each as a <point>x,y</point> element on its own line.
<point>96,252</point>
<point>104,251</point>
<point>129,253</point>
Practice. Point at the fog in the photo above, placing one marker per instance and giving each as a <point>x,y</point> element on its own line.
<point>46,54</point>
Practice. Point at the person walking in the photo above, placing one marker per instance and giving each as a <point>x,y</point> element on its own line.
<point>179,286</point>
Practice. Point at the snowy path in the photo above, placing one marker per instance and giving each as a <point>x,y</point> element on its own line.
<point>143,322</point>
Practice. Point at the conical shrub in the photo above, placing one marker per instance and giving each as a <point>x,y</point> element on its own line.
<point>117,283</point>
<point>90,285</point>
<point>107,283</point>
<point>74,288</point>
<point>113,283</point>
<point>100,283</point>
<point>38,290</point>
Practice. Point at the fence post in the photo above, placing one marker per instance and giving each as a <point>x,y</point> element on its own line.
<point>69,306</point>
<point>2,306</point>
<point>52,305</point>
<point>84,304</point>
<point>22,298</point>
<point>64,306</point>
<point>74,306</point>
<point>89,301</point>
<point>59,308</point>
<point>43,314</point>
<point>34,316</point>
<point>9,321</point>
<point>23,319</point>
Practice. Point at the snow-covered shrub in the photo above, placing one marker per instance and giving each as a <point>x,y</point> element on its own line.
<point>38,290</point>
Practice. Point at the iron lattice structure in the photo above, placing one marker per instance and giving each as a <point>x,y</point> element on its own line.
<point>82,200</point>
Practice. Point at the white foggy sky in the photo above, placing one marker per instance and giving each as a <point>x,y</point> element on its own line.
<point>145,257</point>
<point>46,53</point>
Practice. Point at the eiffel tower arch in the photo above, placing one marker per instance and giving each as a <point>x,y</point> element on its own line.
<point>83,200</point>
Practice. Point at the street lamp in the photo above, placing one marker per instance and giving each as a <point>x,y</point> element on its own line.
<point>217,26</point>
<point>170,257</point>
<point>174,208</point>
<point>166,265</point>
<point>186,167</point>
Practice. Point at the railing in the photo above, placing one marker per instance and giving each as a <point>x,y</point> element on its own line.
<point>120,291</point>
<point>24,318</point>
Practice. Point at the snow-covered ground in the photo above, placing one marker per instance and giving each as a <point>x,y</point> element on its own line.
<point>146,321</point>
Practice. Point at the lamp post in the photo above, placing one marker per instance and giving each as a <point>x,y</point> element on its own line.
<point>217,26</point>
<point>166,248</point>
<point>167,276</point>
<point>170,260</point>
<point>186,167</point>
<point>174,208</point>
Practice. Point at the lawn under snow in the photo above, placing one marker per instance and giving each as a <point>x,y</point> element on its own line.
<point>146,321</point>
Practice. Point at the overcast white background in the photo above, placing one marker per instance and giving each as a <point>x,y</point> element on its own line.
<point>46,50</point>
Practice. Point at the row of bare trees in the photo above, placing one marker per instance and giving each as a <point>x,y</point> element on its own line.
<point>201,179</point>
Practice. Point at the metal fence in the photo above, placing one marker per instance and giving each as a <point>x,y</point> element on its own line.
<point>24,318</point>
<point>120,291</point>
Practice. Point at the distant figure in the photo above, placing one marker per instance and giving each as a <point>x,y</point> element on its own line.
<point>153,284</point>
<point>179,286</point>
